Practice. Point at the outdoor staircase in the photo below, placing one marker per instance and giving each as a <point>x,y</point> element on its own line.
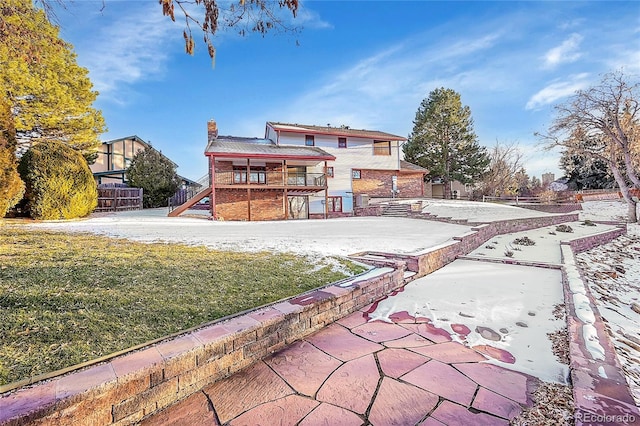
<point>396,210</point>
<point>203,183</point>
<point>190,202</point>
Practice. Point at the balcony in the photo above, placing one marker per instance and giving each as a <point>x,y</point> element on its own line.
<point>303,182</point>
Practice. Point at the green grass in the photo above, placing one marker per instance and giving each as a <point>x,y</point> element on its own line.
<point>70,298</point>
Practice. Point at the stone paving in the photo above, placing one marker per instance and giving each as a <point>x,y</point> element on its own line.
<point>355,372</point>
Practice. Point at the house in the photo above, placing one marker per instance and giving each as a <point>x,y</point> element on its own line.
<point>368,163</point>
<point>304,171</point>
<point>114,157</point>
<point>435,189</point>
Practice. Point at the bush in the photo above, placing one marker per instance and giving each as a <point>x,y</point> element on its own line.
<point>564,228</point>
<point>59,182</point>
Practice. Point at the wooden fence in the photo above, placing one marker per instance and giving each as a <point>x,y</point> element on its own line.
<point>111,199</point>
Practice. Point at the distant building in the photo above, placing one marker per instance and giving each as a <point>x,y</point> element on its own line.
<point>114,157</point>
<point>547,178</point>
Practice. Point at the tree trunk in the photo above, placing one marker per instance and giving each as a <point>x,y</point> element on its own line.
<point>633,205</point>
<point>446,193</point>
<point>626,192</point>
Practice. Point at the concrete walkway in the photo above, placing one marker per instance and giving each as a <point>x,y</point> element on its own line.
<point>356,372</point>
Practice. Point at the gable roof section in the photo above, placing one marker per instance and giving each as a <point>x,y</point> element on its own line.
<point>406,166</point>
<point>238,147</point>
<point>136,138</point>
<point>126,138</point>
<point>334,131</point>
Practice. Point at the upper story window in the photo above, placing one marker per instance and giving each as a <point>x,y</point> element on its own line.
<point>356,174</point>
<point>309,140</point>
<point>342,142</point>
<point>381,147</point>
<point>330,172</point>
<point>256,175</point>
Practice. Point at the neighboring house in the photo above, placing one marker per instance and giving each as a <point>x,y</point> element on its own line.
<point>114,157</point>
<point>301,171</point>
<point>435,189</point>
<point>368,163</point>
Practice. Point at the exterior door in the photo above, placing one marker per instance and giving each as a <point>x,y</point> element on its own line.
<point>298,207</point>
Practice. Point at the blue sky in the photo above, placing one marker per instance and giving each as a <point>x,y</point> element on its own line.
<point>365,64</point>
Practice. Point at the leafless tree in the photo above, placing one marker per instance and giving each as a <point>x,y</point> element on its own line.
<point>603,122</point>
<point>506,170</point>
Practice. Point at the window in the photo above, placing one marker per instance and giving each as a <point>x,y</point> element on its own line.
<point>335,204</point>
<point>355,174</point>
<point>342,142</point>
<point>381,147</point>
<point>256,175</point>
<point>330,172</point>
<point>309,140</point>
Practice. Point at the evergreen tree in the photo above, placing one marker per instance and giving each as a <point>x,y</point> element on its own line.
<point>586,173</point>
<point>155,174</point>
<point>443,140</point>
<point>49,93</point>
<point>11,186</point>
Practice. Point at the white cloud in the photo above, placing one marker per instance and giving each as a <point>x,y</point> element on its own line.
<point>311,19</point>
<point>130,49</point>
<point>558,90</point>
<point>384,89</point>
<point>566,52</point>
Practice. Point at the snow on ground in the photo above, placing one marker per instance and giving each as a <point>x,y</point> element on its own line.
<point>508,307</point>
<point>340,237</point>
<point>612,273</point>
<point>545,242</point>
<point>474,211</point>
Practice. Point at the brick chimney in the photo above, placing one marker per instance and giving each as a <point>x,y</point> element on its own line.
<point>212,130</point>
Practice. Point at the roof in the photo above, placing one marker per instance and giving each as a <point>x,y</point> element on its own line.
<point>410,167</point>
<point>232,146</point>
<point>336,131</point>
<point>138,139</point>
<point>133,137</point>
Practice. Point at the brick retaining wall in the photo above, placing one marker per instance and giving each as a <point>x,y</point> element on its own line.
<point>599,385</point>
<point>552,208</point>
<point>127,388</point>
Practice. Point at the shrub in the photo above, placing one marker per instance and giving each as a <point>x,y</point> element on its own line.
<point>564,228</point>
<point>59,182</point>
<point>524,241</point>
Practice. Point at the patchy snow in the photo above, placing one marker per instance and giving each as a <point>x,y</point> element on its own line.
<point>340,237</point>
<point>474,211</point>
<point>545,242</point>
<point>612,272</point>
<point>508,307</point>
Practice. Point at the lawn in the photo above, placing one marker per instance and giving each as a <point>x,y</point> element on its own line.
<point>70,298</point>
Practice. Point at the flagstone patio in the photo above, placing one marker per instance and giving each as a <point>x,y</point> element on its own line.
<point>355,372</point>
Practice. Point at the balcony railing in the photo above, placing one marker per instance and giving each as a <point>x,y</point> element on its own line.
<point>271,178</point>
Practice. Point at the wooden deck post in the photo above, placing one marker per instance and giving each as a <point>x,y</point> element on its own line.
<point>326,191</point>
<point>248,190</point>
<point>212,179</point>
<point>285,182</point>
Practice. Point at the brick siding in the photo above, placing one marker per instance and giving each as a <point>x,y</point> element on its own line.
<point>377,183</point>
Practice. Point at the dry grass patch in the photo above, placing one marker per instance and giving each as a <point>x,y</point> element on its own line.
<point>70,298</point>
